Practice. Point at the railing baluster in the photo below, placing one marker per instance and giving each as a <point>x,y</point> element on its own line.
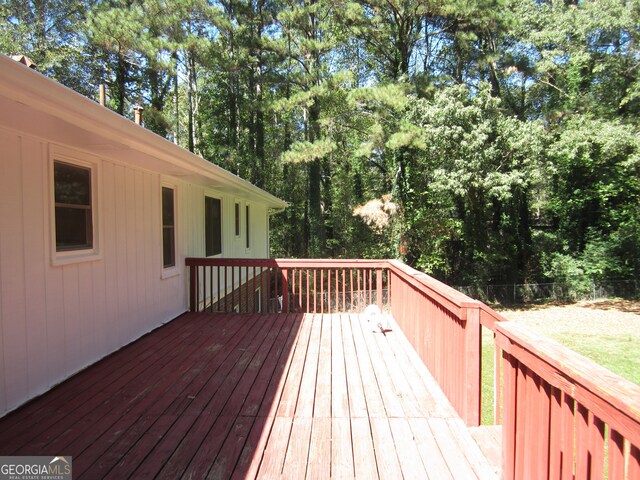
<point>555,432</point>
<point>315,292</point>
<point>337,288</point>
<point>616,454</point>
<point>358,274</point>
<point>300,289</point>
<point>276,276</point>
<point>226,289</point>
<point>634,462</point>
<point>218,289</point>
<point>244,304</point>
<point>285,290</point>
<point>233,288</point>
<point>306,270</point>
<point>351,288</point>
<point>214,287</point>
<point>344,290</point>
<point>368,280</point>
<point>379,288</point>
<point>293,288</point>
<point>582,441</point>
<point>568,435</point>
<point>328,290</point>
<point>596,442</point>
<point>253,289</point>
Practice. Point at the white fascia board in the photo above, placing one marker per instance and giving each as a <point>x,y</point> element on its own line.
<point>37,91</point>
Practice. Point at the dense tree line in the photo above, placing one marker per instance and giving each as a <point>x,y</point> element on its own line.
<point>482,141</point>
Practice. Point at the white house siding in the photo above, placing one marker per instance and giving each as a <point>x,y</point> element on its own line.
<point>192,212</point>
<point>56,320</point>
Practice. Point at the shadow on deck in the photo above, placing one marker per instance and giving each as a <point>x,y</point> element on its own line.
<point>253,396</point>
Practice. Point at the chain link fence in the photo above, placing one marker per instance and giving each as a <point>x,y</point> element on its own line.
<point>546,292</point>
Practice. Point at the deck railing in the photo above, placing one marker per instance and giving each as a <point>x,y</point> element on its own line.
<point>284,285</point>
<point>443,325</point>
<point>563,416</point>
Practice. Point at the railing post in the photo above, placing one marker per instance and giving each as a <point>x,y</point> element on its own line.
<point>473,356</point>
<point>192,289</point>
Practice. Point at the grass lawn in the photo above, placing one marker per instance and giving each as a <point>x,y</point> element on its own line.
<point>608,332</point>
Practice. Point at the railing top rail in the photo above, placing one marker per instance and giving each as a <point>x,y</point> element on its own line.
<point>287,262</point>
<point>489,317</point>
<point>448,297</point>
<point>612,398</point>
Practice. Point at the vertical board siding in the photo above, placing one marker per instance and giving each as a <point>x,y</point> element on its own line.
<point>151,238</point>
<point>12,255</point>
<point>71,320</point>
<point>86,314</point>
<point>120,258</point>
<point>108,327</point>
<point>34,181</point>
<point>56,320</point>
<point>132,246</point>
<point>5,156</point>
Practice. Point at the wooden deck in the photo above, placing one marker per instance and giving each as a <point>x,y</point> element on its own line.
<point>253,396</point>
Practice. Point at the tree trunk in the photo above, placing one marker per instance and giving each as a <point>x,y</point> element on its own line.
<point>176,135</point>
<point>259,129</point>
<point>493,71</point>
<point>121,82</point>
<point>191,100</point>
<point>316,220</point>
<point>458,54</point>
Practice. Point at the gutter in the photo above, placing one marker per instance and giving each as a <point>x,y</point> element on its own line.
<point>275,211</point>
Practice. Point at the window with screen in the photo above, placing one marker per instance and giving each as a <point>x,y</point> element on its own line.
<point>73,207</point>
<point>168,228</point>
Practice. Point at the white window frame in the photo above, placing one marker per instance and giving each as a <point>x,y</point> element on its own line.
<point>75,158</point>
<point>172,271</point>
<point>217,196</point>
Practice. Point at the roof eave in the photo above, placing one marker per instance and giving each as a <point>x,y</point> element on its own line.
<point>27,86</point>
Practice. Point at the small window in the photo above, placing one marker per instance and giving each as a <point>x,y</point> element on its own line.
<point>237,219</point>
<point>168,228</point>
<point>246,225</point>
<point>73,207</point>
<point>212,226</point>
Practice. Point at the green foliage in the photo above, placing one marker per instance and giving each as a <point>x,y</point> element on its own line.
<point>308,151</point>
<point>596,184</point>
<point>468,185</point>
<point>567,272</point>
<point>504,132</point>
